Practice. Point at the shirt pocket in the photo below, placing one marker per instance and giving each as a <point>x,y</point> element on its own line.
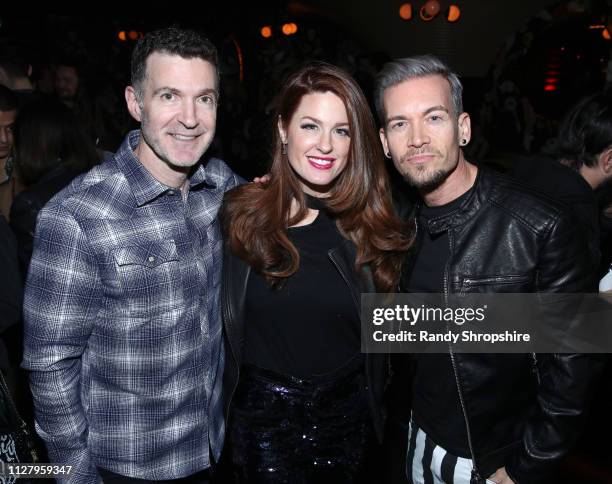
<point>150,277</point>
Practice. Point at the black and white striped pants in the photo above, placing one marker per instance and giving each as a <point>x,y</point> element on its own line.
<point>428,463</point>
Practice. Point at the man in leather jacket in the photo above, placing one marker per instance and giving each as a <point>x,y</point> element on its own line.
<point>509,418</point>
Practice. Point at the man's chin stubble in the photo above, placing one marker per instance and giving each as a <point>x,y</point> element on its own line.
<point>431,183</point>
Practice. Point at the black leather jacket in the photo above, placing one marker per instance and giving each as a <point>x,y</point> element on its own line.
<point>525,411</point>
<point>233,291</point>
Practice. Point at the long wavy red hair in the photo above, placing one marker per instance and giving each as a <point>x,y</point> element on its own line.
<point>256,216</point>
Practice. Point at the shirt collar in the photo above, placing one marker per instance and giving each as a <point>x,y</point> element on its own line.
<point>145,186</point>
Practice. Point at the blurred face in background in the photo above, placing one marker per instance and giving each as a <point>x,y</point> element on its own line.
<point>66,82</point>
<point>7,120</point>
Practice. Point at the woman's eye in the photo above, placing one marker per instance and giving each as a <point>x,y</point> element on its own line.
<point>343,131</point>
<point>309,126</point>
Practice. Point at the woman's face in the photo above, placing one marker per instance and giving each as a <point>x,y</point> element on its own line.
<point>318,141</point>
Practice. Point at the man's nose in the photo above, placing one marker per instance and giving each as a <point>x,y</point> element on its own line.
<point>4,136</point>
<point>419,136</point>
<point>188,114</point>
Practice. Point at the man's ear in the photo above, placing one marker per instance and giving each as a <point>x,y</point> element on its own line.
<point>605,161</point>
<point>132,103</point>
<point>464,128</point>
<point>281,130</point>
<point>383,140</point>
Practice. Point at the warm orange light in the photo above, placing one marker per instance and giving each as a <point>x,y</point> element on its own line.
<point>605,33</point>
<point>266,32</point>
<point>133,35</point>
<point>424,14</point>
<point>405,11</point>
<point>289,28</point>
<point>239,55</point>
<point>122,36</point>
<point>597,27</point>
<point>550,87</point>
<point>453,13</point>
<point>432,7</point>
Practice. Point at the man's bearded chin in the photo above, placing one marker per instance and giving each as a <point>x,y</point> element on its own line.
<point>428,181</point>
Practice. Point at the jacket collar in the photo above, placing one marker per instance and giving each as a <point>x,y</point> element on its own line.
<point>468,208</point>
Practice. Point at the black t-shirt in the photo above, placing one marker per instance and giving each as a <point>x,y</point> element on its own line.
<point>310,326</point>
<point>435,398</point>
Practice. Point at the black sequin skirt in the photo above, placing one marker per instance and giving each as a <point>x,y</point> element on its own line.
<point>289,430</point>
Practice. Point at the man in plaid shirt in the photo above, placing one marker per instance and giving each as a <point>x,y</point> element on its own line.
<point>122,316</point>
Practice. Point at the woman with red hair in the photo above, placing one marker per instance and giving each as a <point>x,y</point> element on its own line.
<point>301,248</point>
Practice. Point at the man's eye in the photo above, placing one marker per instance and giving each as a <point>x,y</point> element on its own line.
<point>398,125</point>
<point>207,100</point>
<point>435,117</point>
<point>167,96</point>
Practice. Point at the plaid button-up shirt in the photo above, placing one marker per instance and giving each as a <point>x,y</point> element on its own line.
<point>122,321</point>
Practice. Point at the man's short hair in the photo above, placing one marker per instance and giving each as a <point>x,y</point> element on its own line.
<point>586,131</point>
<point>8,99</point>
<point>187,44</point>
<point>400,70</point>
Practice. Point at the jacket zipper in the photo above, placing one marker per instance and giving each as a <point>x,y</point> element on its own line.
<point>499,279</point>
<point>534,368</point>
<point>475,472</point>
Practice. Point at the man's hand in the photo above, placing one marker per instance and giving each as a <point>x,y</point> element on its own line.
<point>501,477</point>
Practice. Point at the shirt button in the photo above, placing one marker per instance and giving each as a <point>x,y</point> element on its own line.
<point>171,192</point>
<point>151,258</point>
